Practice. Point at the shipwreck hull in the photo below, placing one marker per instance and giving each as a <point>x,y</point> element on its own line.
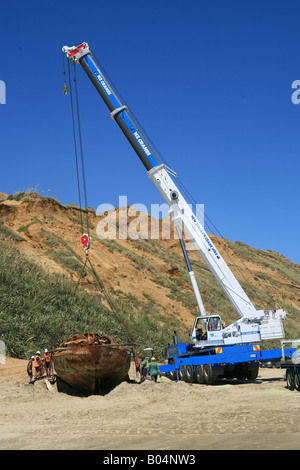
<point>91,365</point>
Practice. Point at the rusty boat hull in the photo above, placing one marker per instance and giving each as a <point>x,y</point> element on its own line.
<point>90,363</point>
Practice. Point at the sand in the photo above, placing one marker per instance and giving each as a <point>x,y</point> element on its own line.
<point>258,415</point>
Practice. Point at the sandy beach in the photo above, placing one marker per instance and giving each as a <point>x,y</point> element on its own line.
<point>258,415</point>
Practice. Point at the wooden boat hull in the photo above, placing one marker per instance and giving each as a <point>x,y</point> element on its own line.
<point>89,368</point>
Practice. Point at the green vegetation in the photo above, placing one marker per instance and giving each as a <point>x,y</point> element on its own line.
<point>61,251</point>
<point>39,311</point>
<point>268,260</point>
<point>6,232</point>
<point>24,228</point>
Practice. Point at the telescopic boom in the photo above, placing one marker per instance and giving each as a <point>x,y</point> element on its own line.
<point>253,324</point>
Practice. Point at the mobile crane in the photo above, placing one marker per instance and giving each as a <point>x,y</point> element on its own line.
<point>216,351</point>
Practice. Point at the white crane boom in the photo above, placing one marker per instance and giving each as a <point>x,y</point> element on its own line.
<point>253,325</point>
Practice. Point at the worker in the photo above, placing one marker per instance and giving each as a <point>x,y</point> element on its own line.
<point>38,365</point>
<point>143,368</point>
<point>47,362</point>
<point>199,334</point>
<point>29,368</point>
<point>154,370</point>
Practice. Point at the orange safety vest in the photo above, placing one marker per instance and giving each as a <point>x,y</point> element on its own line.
<point>47,357</point>
<point>37,361</point>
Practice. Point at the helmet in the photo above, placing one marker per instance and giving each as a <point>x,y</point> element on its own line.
<point>152,358</point>
<point>142,356</point>
<point>46,350</point>
<point>32,357</point>
<point>38,352</point>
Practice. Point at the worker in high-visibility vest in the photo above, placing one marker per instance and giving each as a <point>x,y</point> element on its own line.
<point>47,361</point>
<point>29,368</point>
<point>154,370</point>
<point>38,365</point>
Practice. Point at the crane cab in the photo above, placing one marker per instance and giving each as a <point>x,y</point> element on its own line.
<point>207,330</point>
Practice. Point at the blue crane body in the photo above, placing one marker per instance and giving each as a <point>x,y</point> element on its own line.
<point>206,366</point>
<point>216,351</point>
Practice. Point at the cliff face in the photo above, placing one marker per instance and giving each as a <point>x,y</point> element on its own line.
<point>149,269</point>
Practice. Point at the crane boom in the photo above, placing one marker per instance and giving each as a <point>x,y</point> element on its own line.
<point>253,324</point>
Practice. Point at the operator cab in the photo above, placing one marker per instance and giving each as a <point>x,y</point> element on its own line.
<point>207,330</point>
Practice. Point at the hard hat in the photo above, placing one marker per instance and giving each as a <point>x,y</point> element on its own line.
<point>142,356</point>
<point>38,352</point>
<point>152,358</point>
<point>32,357</point>
<point>46,350</point>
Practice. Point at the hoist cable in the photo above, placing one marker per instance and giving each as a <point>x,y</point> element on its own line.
<point>87,260</point>
<point>81,150</point>
<point>75,145</point>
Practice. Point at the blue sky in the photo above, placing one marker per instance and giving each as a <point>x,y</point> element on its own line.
<point>210,81</point>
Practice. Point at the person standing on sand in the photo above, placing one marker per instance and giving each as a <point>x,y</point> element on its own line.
<point>143,368</point>
<point>38,365</point>
<point>29,368</point>
<point>47,362</point>
<point>154,370</point>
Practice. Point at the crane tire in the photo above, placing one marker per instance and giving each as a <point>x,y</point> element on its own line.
<point>199,374</point>
<point>289,380</point>
<point>172,373</point>
<point>297,381</point>
<point>190,374</point>
<point>209,376</point>
<point>252,372</point>
<point>182,374</point>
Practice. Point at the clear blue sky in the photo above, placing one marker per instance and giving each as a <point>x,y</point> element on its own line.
<point>210,81</point>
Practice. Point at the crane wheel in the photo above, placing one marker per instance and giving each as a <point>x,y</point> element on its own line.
<point>289,380</point>
<point>190,374</point>
<point>297,381</point>
<point>209,376</point>
<point>172,373</point>
<point>182,374</point>
<point>199,374</point>
<point>252,372</point>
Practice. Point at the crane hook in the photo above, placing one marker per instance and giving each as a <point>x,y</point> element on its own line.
<point>65,89</point>
<point>86,242</point>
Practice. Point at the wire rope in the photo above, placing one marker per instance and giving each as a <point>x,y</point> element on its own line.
<point>87,260</point>
<point>75,145</point>
<point>81,149</point>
